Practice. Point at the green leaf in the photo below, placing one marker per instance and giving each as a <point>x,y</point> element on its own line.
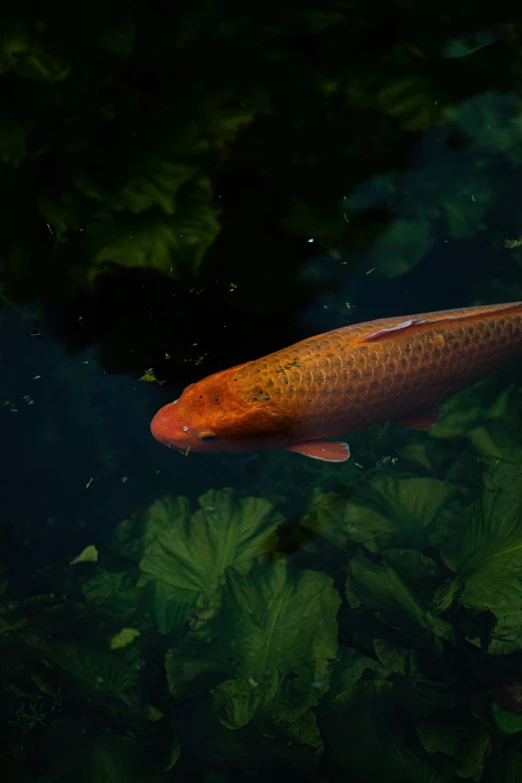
<point>174,755</point>
<point>470,410</point>
<point>125,637</point>
<point>484,546</point>
<point>88,754</point>
<point>278,622</point>
<point>133,535</point>
<point>467,745</point>
<point>113,593</point>
<point>391,657</point>
<point>97,675</point>
<point>188,555</point>
<point>413,566</point>
<point>390,512</point>
<point>402,247</point>
<point>87,555</point>
<point>506,721</point>
<point>362,693</point>
<point>368,744</point>
<point>507,633</point>
<point>381,589</point>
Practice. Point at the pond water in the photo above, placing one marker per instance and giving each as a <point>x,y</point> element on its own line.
<point>186,187</point>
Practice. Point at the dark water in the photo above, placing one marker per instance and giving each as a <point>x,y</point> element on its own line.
<point>185,187</point>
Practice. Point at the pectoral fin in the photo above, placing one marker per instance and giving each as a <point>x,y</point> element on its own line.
<point>421,420</point>
<point>326,450</point>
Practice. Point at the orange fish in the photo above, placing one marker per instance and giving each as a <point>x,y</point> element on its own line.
<point>391,369</point>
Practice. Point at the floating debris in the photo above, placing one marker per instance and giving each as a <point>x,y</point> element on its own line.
<point>88,555</point>
<point>125,637</point>
<point>511,244</point>
<point>150,377</point>
<point>89,482</point>
<point>196,362</point>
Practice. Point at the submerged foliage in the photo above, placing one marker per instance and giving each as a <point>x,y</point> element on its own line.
<point>388,647</point>
<point>363,623</point>
<point>122,128</point>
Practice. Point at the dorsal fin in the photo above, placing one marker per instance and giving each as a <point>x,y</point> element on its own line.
<point>380,334</point>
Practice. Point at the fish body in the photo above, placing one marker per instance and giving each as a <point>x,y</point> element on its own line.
<point>390,369</point>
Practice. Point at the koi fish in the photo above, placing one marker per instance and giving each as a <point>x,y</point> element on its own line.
<point>391,369</point>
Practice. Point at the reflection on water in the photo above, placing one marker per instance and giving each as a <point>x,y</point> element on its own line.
<point>184,189</point>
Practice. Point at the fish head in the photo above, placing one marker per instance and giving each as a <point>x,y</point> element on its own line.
<point>210,417</point>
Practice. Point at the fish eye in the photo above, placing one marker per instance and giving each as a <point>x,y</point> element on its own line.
<point>207,437</point>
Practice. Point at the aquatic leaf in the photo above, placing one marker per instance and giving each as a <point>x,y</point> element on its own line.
<point>133,535</point>
<point>89,754</point>
<point>289,712</point>
<point>389,511</point>
<point>362,693</point>
<point>88,555</point>
<point>381,589</point>
<point>507,722</point>
<point>506,637</point>
<point>174,756</point>
<point>123,638</point>
<point>22,54</point>
<point>402,246</point>
<point>391,657</point>
<point>278,621</point>
<point>185,664</point>
<point>483,545</point>
<point>189,555</point>
<point>469,746</point>
<point>323,518</point>
<point>412,565</point>
<point>377,749</point>
<point>95,674</point>
<point>239,699</point>
<point>350,668</point>
<point>412,101</point>
<point>163,244</point>
<point>471,409</point>
<point>113,593</point>
<point>152,713</point>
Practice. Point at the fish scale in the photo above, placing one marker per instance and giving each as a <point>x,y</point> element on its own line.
<point>339,379</point>
<point>342,381</point>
